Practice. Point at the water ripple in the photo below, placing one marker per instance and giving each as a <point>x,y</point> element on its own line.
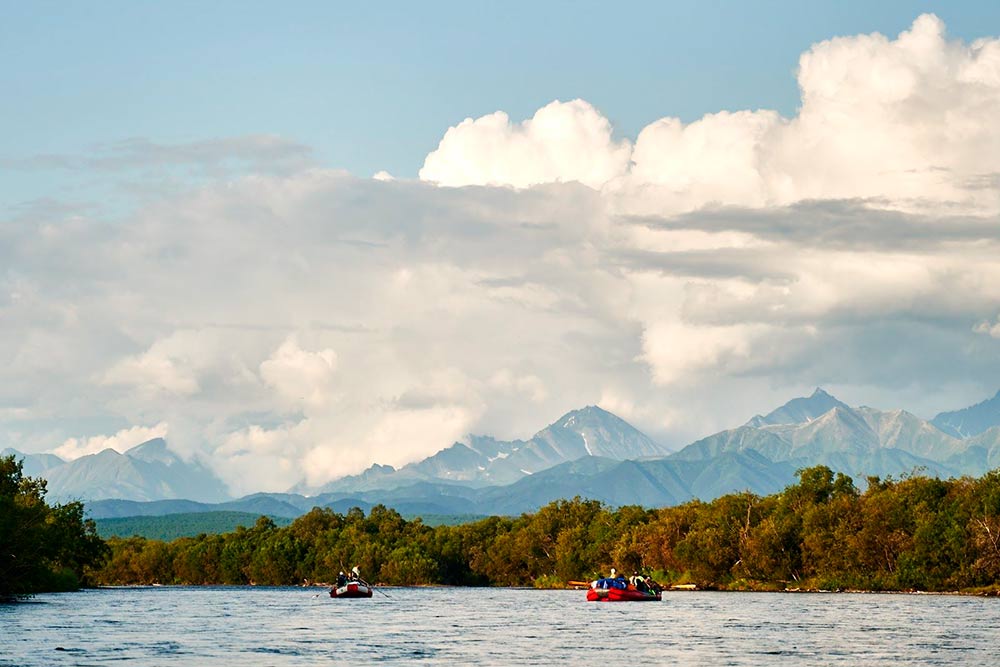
<point>445,626</point>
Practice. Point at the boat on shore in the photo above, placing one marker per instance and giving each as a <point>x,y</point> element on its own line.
<point>352,589</point>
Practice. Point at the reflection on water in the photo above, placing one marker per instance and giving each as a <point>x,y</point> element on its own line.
<point>301,626</point>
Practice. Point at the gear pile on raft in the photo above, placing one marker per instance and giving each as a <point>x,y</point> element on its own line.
<point>351,586</point>
<point>617,588</point>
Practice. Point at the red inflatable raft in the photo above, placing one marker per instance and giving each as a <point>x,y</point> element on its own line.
<point>352,589</point>
<point>620,595</point>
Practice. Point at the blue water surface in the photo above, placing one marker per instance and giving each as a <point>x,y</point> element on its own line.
<point>470,626</point>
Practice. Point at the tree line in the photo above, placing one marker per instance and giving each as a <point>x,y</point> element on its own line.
<point>912,533</point>
<point>42,547</point>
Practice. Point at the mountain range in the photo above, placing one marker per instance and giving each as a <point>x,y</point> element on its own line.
<point>146,472</point>
<point>588,452</point>
<point>970,421</point>
<point>483,461</point>
<point>858,441</point>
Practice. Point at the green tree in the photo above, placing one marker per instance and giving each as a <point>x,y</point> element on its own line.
<point>710,550</point>
<point>982,503</point>
<point>42,548</point>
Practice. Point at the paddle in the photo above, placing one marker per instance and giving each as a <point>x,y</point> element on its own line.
<point>373,588</point>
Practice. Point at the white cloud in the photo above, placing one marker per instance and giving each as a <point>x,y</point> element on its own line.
<point>393,437</point>
<point>174,365</point>
<point>346,441</point>
<point>907,122</point>
<point>299,376</point>
<point>364,321</point>
<point>563,141</point>
<point>257,459</point>
<point>154,371</point>
<point>716,160</point>
<point>122,441</point>
<point>530,386</point>
<point>674,350</point>
<point>305,326</point>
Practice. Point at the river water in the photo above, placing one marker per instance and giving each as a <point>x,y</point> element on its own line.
<point>465,626</point>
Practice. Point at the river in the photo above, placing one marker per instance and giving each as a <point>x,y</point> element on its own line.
<point>468,626</point>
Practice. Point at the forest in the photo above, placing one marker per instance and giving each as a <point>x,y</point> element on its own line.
<point>42,547</point>
<point>183,524</point>
<point>914,533</point>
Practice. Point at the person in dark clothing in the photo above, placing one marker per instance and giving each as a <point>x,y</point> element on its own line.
<point>341,580</point>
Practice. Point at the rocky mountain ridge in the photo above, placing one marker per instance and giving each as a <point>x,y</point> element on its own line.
<point>484,461</point>
<point>588,452</point>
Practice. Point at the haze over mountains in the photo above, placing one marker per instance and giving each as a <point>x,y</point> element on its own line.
<point>484,461</point>
<point>588,452</point>
<point>148,471</point>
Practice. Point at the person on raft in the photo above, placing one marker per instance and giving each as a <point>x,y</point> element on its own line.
<point>613,580</point>
<point>356,573</point>
<point>643,583</point>
<point>341,580</point>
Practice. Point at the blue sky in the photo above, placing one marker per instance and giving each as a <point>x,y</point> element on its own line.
<point>372,86</point>
<point>192,243</point>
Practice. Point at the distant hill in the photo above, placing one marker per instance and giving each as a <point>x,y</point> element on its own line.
<point>173,526</point>
<point>649,482</point>
<point>191,524</point>
<point>274,505</point>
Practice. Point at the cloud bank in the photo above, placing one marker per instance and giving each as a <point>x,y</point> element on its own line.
<point>121,441</point>
<point>303,325</point>
<point>901,121</point>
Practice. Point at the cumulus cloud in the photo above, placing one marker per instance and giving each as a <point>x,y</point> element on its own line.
<point>159,370</point>
<point>345,441</point>
<point>563,141</point>
<point>299,376</point>
<point>716,160</point>
<point>301,326</point>
<point>364,321</point>
<point>674,350</point>
<point>122,441</point>
<point>530,386</point>
<point>179,364</point>
<point>903,122</point>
